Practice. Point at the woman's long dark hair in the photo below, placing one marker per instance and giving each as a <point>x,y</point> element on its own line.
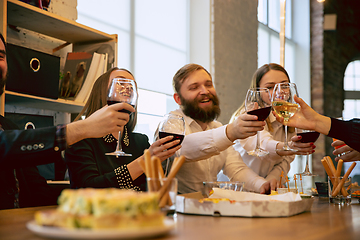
<point>98,98</point>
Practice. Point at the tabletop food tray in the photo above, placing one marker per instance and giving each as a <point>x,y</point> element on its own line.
<point>189,204</point>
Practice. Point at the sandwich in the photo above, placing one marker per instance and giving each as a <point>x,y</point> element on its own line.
<point>103,209</point>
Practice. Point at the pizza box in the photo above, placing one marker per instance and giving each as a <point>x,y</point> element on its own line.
<point>189,204</point>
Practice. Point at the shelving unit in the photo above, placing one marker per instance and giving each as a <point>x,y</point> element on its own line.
<point>19,14</point>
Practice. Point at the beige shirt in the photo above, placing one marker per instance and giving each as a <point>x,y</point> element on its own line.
<point>207,152</point>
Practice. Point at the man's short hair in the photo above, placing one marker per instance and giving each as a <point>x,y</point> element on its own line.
<point>184,73</point>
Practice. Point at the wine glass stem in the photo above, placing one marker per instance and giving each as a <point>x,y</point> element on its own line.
<point>286,141</point>
<point>118,145</point>
<point>257,140</point>
<point>307,164</point>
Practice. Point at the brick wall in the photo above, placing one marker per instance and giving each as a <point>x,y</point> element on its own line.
<point>331,51</point>
<point>317,74</point>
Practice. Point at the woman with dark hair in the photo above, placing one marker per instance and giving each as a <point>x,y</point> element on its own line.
<point>272,137</point>
<point>86,160</point>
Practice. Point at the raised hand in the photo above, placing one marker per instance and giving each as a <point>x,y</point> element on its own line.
<point>348,154</point>
<point>105,120</point>
<point>244,126</point>
<point>162,147</point>
<point>307,118</point>
<point>295,143</point>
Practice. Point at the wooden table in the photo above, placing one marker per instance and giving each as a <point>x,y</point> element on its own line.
<point>325,221</point>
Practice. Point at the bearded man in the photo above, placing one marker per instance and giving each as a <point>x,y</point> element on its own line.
<point>207,143</point>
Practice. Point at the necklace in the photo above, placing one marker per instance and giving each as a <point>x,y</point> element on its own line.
<point>110,138</point>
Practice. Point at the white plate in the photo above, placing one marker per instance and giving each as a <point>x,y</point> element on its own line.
<point>54,232</point>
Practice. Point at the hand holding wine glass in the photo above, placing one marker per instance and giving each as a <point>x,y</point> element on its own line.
<point>122,90</point>
<point>258,102</point>
<point>172,125</point>
<point>285,106</point>
<point>308,136</point>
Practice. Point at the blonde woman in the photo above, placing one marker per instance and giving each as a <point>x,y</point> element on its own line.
<point>272,137</point>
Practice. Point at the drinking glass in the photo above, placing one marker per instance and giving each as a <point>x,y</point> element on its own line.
<point>122,90</point>
<point>307,137</point>
<point>258,102</point>
<point>174,125</point>
<point>285,106</point>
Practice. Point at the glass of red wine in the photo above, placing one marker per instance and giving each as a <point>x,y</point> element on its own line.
<point>307,137</point>
<point>125,91</point>
<point>174,125</point>
<point>258,102</point>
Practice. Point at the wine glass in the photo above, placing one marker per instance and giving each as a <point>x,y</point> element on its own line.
<point>174,125</point>
<point>307,137</point>
<point>258,102</point>
<point>285,106</point>
<point>122,90</point>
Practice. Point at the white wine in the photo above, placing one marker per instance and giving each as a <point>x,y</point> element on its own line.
<point>285,109</point>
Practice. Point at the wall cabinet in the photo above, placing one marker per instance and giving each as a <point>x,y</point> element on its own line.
<point>21,15</point>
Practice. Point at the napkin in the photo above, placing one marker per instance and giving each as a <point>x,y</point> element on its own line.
<point>248,196</point>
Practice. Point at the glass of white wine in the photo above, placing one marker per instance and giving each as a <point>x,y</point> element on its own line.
<point>285,106</point>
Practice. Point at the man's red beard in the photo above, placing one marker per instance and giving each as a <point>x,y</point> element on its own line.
<point>191,108</point>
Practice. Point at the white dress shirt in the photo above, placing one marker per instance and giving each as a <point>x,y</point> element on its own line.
<point>207,152</point>
<point>271,165</point>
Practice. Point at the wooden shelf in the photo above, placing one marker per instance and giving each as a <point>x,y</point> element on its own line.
<point>35,19</point>
<point>22,15</point>
<point>59,105</point>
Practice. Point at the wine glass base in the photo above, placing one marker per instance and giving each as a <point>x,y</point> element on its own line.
<point>286,150</point>
<point>309,174</point>
<point>119,154</point>
<point>258,152</point>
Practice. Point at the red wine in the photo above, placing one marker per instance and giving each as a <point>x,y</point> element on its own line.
<point>110,102</point>
<point>309,136</point>
<point>176,137</point>
<point>261,113</point>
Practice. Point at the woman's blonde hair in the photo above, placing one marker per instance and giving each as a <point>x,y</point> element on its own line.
<point>255,83</point>
<point>98,98</point>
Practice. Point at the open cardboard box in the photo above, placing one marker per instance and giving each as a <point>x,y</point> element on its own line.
<point>189,203</point>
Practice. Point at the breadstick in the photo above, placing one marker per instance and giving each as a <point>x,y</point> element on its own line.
<point>165,200</point>
<point>178,162</point>
<point>332,168</point>
<point>333,171</point>
<point>341,184</point>
<point>327,169</point>
<point>147,157</point>
<point>141,162</point>
<point>148,169</point>
<point>339,167</point>
<point>155,173</point>
<point>332,178</point>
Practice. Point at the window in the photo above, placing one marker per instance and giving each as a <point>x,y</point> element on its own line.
<point>352,90</point>
<point>352,101</point>
<point>152,44</point>
<point>297,47</point>
<point>268,34</point>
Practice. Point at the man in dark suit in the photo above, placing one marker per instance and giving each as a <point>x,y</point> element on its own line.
<point>21,150</point>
